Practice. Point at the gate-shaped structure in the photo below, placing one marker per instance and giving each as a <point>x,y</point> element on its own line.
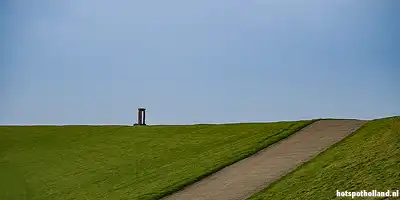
<point>141,117</point>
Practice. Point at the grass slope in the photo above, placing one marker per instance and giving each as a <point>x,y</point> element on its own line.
<point>120,162</point>
<point>367,160</point>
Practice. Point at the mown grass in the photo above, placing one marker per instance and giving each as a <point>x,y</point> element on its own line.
<point>367,160</point>
<point>120,162</point>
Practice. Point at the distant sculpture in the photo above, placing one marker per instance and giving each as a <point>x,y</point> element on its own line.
<point>141,117</point>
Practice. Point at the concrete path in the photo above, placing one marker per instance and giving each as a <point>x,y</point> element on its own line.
<point>248,176</point>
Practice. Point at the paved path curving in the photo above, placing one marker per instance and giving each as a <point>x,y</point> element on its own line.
<point>248,176</point>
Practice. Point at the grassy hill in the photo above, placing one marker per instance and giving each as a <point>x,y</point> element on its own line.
<point>121,162</point>
<point>367,160</point>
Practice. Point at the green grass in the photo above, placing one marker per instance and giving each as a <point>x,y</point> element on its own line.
<point>121,162</point>
<point>367,160</point>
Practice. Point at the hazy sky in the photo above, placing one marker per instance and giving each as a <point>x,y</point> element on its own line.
<point>208,61</point>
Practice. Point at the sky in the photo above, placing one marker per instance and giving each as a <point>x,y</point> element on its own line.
<point>190,62</point>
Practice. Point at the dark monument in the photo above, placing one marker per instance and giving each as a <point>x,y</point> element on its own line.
<point>141,117</point>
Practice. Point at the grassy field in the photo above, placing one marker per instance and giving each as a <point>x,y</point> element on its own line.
<point>367,160</point>
<point>121,162</point>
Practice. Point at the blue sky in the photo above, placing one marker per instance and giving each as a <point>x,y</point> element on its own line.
<point>96,61</point>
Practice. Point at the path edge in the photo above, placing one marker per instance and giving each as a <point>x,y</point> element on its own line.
<point>238,159</point>
<point>253,196</point>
